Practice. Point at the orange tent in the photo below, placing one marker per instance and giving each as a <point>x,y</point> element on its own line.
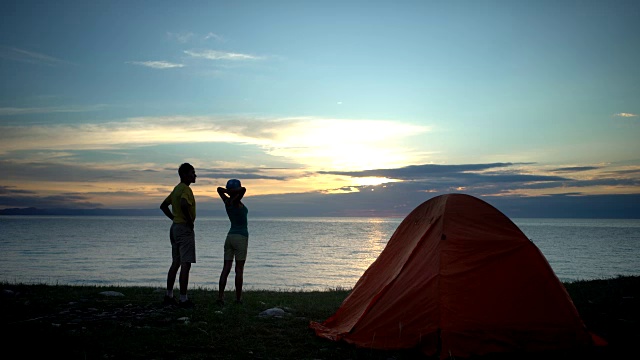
<point>458,278</point>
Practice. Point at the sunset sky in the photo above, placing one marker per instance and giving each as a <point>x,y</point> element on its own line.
<point>364,108</point>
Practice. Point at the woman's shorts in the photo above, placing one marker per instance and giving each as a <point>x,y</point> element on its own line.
<point>236,247</point>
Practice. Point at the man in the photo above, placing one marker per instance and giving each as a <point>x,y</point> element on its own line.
<point>182,236</point>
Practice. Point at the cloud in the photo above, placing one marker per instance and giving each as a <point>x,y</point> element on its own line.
<point>626,115</point>
<point>314,157</point>
<point>4,190</point>
<point>348,144</point>
<point>420,171</point>
<point>399,200</point>
<point>72,172</point>
<point>498,179</point>
<point>245,174</point>
<point>157,64</point>
<point>570,205</point>
<point>576,168</point>
<point>316,142</point>
<point>182,37</point>
<point>503,183</point>
<point>220,55</point>
<point>133,132</point>
<point>68,200</point>
<point>216,37</point>
<point>54,109</point>
<point>627,172</point>
<point>187,36</point>
<point>15,54</point>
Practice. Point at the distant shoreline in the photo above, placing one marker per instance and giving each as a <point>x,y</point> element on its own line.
<point>32,211</point>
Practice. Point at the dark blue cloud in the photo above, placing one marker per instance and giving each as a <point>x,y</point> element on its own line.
<point>71,200</point>
<point>467,173</point>
<point>495,184</point>
<point>12,190</point>
<point>422,182</point>
<point>243,174</point>
<point>570,206</point>
<point>576,168</point>
<point>399,204</point>
<point>419,171</point>
<point>62,172</point>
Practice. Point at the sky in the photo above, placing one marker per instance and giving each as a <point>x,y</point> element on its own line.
<point>322,108</point>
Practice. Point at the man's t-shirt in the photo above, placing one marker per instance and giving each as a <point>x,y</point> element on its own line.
<point>181,191</point>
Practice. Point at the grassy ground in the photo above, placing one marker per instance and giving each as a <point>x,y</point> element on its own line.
<point>77,322</point>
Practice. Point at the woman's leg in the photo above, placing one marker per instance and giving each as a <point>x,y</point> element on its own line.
<point>226,269</point>
<point>239,279</point>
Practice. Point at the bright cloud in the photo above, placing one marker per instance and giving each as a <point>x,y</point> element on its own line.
<point>157,64</point>
<point>348,144</point>
<point>312,142</point>
<point>220,55</point>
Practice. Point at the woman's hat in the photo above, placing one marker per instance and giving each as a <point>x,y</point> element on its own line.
<point>233,184</point>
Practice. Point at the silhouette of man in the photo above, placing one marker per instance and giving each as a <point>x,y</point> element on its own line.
<point>182,236</point>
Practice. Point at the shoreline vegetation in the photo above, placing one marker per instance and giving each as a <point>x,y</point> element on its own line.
<point>115,322</point>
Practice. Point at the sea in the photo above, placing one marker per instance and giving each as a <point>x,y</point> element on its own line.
<point>285,254</point>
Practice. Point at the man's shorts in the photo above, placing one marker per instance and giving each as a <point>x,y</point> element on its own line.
<point>183,243</point>
<point>236,246</point>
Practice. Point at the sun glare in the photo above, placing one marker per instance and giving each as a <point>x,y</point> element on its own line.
<point>372,181</point>
<point>347,145</point>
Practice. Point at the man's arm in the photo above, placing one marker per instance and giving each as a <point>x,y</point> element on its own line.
<point>165,208</point>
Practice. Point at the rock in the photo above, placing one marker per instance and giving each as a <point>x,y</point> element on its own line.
<point>185,320</point>
<point>111,293</point>
<point>275,312</point>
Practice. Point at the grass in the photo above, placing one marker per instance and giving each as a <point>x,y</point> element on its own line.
<point>77,322</point>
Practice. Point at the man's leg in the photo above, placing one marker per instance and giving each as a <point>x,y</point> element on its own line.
<point>185,238</point>
<point>184,279</point>
<point>171,277</point>
<point>175,264</point>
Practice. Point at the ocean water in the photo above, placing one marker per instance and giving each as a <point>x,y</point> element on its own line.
<point>300,254</point>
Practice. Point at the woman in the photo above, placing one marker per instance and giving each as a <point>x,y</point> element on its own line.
<point>235,246</point>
